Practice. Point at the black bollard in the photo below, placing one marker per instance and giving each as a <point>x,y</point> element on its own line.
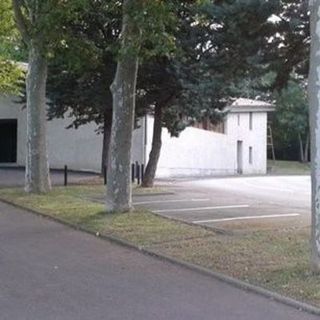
<point>132,172</point>
<point>138,173</point>
<point>105,175</point>
<point>65,176</point>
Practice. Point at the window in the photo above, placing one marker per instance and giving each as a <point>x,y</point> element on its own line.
<point>250,155</point>
<point>250,120</point>
<point>238,119</point>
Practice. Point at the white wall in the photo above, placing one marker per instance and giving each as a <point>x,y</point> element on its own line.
<point>80,149</point>
<point>195,153</point>
<point>203,153</point>
<point>255,138</point>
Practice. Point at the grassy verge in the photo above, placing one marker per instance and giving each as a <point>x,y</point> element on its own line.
<point>288,167</point>
<point>274,259</point>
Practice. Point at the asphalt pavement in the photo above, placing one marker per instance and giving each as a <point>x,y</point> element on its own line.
<point>51,272</point>
<point>271,201</point>
<point>14,177</point>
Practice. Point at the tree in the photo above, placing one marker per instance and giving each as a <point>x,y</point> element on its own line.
<point>143,34</point>
<point>286,47</point>
<point>82,71</point>
<point>314,102</point>
<point>217,49</point>
<point>178,89</point>
<point>40,24</point>
<point>123,91</point>
<point>82,93</point>
<point>292,115</point>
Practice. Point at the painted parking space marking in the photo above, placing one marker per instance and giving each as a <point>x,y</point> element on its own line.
<point>171,201</point>
<point>203,208</point>
<point>249,217</point>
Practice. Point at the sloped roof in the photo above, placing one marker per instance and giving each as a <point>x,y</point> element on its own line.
<point>245,105</point>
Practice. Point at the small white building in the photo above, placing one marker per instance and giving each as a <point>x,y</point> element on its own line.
<point>239,146</point>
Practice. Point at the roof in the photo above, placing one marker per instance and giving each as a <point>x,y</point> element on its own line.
<point>248,105</point>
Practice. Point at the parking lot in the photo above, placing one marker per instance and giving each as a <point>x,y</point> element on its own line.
<point>237,202</point>
<point>231,203</point>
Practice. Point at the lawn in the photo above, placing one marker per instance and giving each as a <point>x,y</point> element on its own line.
<point>288,167</point>
<point>274,259</point>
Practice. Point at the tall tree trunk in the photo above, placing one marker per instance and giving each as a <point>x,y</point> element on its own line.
<point>119,193</point>
<point>314,101</point>
<point>107,125</point>
<point>37,177</point>
<point>306,149</point>
<point>301,147</point>
<point>148,180</point>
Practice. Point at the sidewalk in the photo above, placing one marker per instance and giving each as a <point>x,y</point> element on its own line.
<point>49,271</point>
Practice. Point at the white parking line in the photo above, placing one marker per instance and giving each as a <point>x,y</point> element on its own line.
<point>250,217</point>
<point>203,208</point>
<point>172,201</point>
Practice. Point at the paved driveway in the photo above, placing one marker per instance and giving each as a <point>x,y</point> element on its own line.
<point>10,177</point>
<point>50,272</point>
<point>269,201</point>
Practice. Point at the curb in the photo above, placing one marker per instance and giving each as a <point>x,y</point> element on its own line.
<point>301,306</point>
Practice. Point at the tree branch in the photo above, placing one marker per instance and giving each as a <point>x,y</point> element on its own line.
<point>21,21</point>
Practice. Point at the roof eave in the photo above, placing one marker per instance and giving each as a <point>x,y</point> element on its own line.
<point>251,109</point>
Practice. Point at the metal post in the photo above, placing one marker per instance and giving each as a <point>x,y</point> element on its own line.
<point>105,175</point>
<point>138,173</point>
<point>65,176</point>
<point>132,172</point>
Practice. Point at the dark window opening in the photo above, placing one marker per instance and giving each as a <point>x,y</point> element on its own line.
<point>8,140</point>
<point>250,120</point>
<point>250,155</point>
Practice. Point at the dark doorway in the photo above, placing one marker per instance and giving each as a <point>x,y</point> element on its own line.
<point>8,140</point>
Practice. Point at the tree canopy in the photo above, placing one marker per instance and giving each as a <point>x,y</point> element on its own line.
<point>10,72</point>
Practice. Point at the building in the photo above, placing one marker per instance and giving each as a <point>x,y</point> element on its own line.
<point>236,147</point>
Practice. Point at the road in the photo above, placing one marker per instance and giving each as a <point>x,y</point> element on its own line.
<point>50,272</point>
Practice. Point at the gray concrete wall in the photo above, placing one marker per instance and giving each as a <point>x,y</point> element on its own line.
<point>80,149</point>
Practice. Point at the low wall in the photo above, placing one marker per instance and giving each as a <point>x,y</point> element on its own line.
<point>195,153</point>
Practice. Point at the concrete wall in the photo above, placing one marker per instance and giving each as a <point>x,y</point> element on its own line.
<point>80,149</point>
<point>255,138</point>
<point>203,153</point>
<point>195,153</point>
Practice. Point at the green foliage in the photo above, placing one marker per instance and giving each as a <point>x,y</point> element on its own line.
<point>292,108</point>
<point>156,22</point>
<point>192,78</point>
<point>10,72</point>
<point>11,76</point>
<point>6,18</point>
<point>287,44</point>
<point>42,23</point>
<point>291,120</point>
